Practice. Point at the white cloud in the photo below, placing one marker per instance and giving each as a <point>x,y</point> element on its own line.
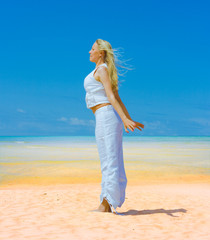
<point>77,122</point>
<point>152,125</point>
<point>63,119</point>
<point>81,122</point>
<point>201,121</point>
<point>20,110</point>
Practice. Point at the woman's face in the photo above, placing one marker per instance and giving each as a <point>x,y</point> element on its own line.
<point>94,53</point>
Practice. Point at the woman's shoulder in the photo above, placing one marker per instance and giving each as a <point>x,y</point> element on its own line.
<point>103,65</point>
<point>101,69</point>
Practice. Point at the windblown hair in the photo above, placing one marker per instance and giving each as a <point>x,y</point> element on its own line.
<point>110,58</point>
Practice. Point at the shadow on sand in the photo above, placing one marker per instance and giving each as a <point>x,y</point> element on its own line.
<point>154,211</point>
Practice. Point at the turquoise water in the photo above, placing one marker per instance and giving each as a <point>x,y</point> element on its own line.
<point>91,139</point>
<point>128,141</point>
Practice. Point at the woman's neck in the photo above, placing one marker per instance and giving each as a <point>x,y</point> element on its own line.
<point>99,63</point>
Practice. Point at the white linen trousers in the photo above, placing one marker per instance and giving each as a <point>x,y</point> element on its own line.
<point>109,133</point>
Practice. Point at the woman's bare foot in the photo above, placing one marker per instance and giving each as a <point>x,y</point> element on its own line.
<point>104,207</point>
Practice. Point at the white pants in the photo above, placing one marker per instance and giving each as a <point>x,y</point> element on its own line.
<point>109,133</point>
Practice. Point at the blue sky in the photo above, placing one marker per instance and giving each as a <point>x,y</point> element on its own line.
<point>44,59</point>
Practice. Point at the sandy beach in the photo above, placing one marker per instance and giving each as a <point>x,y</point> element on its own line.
<point>163,211</point>
<point>48,192</point>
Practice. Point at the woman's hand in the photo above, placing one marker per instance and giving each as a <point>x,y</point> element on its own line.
<point>139,125</point>
<point>132,125</point>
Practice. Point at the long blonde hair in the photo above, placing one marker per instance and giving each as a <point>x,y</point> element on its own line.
<point>110,57</point>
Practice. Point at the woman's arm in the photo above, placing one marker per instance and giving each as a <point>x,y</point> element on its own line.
<point>116,94</point>
<point>103,77</point>
<point>138,125</point>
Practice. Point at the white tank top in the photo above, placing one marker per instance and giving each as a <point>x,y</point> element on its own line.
<point>95,92</point>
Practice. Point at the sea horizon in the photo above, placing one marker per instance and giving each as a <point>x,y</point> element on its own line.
<point>92,138</point>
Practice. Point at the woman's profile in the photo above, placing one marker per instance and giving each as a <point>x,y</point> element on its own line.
<point>111,115</point>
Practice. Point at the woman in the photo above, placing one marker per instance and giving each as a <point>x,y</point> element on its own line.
<point>102,98</point>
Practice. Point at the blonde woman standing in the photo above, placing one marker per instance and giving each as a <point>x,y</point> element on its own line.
<point>111,115</point>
